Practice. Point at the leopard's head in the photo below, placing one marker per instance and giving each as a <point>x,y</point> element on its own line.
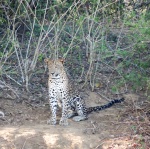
<point>55,67</point>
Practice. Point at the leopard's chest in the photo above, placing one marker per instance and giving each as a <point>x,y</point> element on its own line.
<point>58,88</point>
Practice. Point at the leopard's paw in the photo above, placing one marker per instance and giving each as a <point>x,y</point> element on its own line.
<point>51,122</point>
<point>63,122</point>
<point>79,118</point>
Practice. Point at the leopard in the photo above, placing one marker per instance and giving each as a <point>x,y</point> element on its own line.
<point>63,96</point>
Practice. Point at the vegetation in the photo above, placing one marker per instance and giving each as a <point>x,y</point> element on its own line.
<point>99,36</point>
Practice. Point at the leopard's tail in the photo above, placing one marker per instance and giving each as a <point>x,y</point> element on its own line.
<point>108,105</point>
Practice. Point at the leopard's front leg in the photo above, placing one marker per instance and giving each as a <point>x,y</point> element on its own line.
<point>53,106</point>
<point>64,118</point>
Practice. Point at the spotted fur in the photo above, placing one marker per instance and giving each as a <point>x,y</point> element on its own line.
<point>59,93</point>
<point>80,111</point>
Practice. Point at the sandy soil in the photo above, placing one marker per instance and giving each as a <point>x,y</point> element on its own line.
<point>24,127</point>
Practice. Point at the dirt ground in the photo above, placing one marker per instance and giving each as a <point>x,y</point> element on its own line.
<point>25,127</point>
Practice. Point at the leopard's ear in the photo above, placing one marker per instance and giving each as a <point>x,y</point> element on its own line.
<point>46,60</point>
<point>62,60</point>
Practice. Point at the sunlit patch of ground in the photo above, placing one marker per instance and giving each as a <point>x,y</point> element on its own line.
<point>55,137</point>
<point>24,127</point>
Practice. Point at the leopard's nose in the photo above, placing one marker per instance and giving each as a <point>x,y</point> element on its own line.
<point>52,73</point>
